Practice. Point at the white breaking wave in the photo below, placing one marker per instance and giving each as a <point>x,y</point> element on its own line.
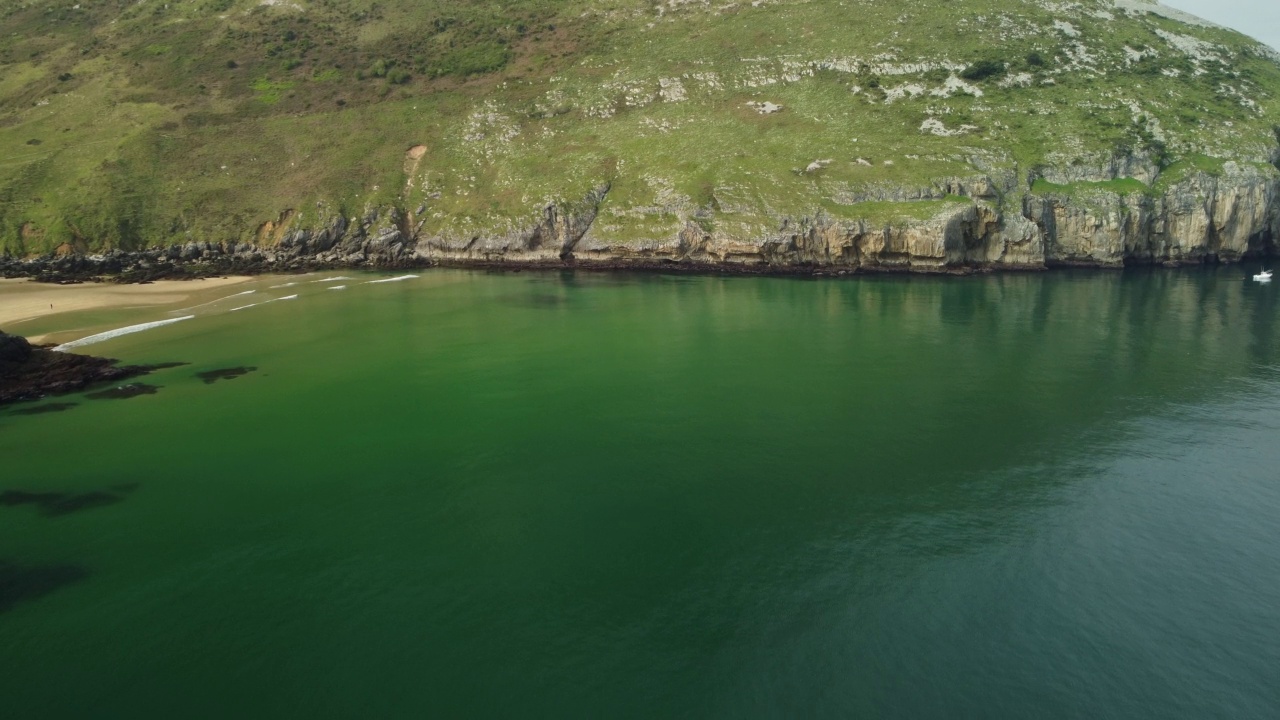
<point>394,279</point>
<point>277,287</point>
<point>117,333</point>
<point>337,287</point>
<point>213,302</point>
<point>332,279</point>
<point>264,302</point>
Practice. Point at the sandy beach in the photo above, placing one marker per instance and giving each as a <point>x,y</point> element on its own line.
<point>22,300</point>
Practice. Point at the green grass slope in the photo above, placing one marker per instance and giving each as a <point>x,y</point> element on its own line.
<point>128,124</point>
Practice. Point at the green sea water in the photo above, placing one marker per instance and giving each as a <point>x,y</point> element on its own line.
<point>466,494</point>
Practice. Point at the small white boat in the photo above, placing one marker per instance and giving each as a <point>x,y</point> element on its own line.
<point>1264,276</point>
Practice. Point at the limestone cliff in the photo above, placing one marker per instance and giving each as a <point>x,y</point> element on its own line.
<point>1201,217</point>
<point>775,135</point>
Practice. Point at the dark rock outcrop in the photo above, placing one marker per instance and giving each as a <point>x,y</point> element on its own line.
<point>30,373</point>
<point>13,350</point>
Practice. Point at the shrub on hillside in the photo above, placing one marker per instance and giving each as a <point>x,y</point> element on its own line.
<point>982,70</point>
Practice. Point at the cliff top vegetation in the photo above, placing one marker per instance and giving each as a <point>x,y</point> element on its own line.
<point>127,123</point>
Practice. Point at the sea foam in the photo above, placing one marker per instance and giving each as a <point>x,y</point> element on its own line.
<point>214,302</point>
<point>264,302</point>
<point>394,279</point>
<point>117,333</point>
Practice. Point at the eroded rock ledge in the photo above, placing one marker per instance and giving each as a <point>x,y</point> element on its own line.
<point>1087,217</point>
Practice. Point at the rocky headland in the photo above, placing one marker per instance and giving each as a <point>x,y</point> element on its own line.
<point>28,372</point>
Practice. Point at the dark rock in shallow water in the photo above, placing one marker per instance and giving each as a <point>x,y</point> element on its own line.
<point>19,583</point>
<point>55,504</point>
<point>46,408</point>
<point>212,376</point>
<point>30,373</point>
<point>14,349</point>
<point>124,392</point>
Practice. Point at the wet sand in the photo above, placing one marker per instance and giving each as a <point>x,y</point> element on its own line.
<point>23,300</point>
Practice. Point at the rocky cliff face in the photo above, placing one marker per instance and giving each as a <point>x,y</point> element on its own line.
<point>987,223</point>
<point>787,135</point>
<point>1202,218</point>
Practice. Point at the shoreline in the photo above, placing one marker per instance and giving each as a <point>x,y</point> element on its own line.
<point>84,271</point>
<point>24,299</point>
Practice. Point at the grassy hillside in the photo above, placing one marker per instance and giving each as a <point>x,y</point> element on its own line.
<point>124,124</point>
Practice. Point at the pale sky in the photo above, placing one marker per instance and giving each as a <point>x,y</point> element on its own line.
<point>1258,18</point>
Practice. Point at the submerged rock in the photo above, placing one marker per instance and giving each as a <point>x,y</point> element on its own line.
<point>124,392</point>
<point>55,504</point>
<point>46,408</point>
<point>212,376</point>
<point>20,583</point>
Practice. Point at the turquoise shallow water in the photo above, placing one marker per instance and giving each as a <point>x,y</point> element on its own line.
<point>470,494</point>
